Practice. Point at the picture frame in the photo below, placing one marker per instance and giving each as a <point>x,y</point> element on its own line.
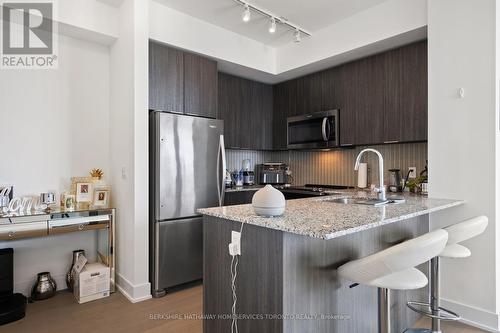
<point>101,198</point>
<point>84,192</point>
<point>76,180</point>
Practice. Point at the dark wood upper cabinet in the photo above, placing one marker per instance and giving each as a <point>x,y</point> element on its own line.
<point>308,96</point>
<point>181,82</point>
<point>405,93</point>
<point>381,98</point>
<point>200,86</point>
<point>285,105</point>
<point>166,78</point>
<point>246,107</point>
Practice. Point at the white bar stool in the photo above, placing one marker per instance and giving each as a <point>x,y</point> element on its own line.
<point>456,233</point>
<point>394,268</point>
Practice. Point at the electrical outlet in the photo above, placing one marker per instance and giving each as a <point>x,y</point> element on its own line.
<point>413,172</point>
<point>235,246</point>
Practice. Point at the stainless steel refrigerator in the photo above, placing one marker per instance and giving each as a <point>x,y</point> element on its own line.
<point>187,170</point>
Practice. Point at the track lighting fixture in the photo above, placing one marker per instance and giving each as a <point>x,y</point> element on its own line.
<point>274,20</point>
<point>246,14</point>
<point>296,36</point>
<point>272,27</point>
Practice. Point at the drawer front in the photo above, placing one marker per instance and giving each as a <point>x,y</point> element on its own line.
<point>62,229</point>
<point>23,230</point>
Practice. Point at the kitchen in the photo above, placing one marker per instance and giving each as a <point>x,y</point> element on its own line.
<point>205,106</point>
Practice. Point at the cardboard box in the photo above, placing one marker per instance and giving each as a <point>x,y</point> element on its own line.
<point>92,283</point>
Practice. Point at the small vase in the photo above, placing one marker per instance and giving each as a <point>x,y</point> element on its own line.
<point>45,287</point>
<point>70,279</point>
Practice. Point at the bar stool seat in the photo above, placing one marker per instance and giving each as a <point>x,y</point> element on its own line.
<point>394,268</point>
<point>456,233</point>
<point>455,251</point>
<point>407,279</point>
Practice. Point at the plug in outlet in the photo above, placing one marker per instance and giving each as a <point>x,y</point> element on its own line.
<point>413,172</point>
<point>235,246</point>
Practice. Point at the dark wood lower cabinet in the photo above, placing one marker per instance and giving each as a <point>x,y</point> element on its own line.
<point>238,197</point>
<point>288,282</point>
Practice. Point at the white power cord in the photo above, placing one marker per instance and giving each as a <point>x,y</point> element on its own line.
<point>235,252</point>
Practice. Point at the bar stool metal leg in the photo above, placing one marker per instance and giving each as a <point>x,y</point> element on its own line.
<point>435,294</point>
<point>384,310</point>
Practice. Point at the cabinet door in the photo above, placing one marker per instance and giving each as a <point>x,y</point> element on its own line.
<point>266,116</point>
<point>166,79</point>
<point>406,94</point>
<point>247,110</point>
<point>308,96</point>
<point>345,83</point>
<point>369,110</point>
<point>238,198</point>
<point>200,86</point>
<point>285,105</point>
<point>359,94</point>
<point>246,116</point>
<point>228,106</point>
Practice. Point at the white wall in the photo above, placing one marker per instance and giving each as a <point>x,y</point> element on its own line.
<point>374,30</point>
<point>462,145</point>
<point>54,125</point>
<point>377,23</point>
<point>129,148</point>
<point>178,29</point>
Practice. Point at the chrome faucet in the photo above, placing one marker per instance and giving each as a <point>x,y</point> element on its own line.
<point>381,189</point>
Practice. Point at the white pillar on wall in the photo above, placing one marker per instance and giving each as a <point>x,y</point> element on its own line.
<point>129,148</point>
<point>463,144</point>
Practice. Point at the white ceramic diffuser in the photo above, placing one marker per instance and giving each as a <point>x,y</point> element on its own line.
<point>268,202</point>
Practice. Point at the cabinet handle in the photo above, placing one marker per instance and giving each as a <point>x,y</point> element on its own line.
<point>391,141</point>
<point>346,144</point>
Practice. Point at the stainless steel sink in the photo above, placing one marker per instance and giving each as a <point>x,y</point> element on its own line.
<point>369,202</point>
<point>345,201</point>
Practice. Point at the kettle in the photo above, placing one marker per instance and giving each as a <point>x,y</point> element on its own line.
<point>395,180</point>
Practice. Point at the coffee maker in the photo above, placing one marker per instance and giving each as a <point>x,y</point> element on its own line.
<point>395,180</point>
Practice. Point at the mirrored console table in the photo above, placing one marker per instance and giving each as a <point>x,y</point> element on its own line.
<point>57,221</point>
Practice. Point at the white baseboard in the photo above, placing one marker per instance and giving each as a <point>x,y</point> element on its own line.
<point>480,318</point>
<point>134,293</point>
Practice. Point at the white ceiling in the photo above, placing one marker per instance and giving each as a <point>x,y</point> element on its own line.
<point>311,15</point>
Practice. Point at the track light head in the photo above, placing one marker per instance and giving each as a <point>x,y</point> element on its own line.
<point>246,14</point>
<point>296,36</point>
<point>272,26</point>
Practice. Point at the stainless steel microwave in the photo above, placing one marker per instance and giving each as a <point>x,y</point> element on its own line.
<point>313,131</point>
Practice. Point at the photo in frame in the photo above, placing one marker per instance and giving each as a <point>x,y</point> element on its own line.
<point>101,198</point>
<point>84,192</point>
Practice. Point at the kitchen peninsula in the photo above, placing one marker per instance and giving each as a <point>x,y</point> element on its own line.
<point>286,280</point>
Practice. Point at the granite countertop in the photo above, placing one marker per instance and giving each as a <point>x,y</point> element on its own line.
<point>318,217</point>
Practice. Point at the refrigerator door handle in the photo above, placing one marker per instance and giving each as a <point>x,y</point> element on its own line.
<point>221,181</point>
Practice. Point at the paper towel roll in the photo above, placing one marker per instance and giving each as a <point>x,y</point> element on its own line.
<point>362,175</point>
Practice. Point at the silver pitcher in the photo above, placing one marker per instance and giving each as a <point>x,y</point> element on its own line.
<point>70,279</point>
<point>45,287</point>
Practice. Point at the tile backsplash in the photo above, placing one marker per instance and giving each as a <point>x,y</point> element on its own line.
<point>336,167</point>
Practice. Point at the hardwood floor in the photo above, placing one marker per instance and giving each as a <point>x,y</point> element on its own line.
<point>62,314</point>
<point>449,327</point>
